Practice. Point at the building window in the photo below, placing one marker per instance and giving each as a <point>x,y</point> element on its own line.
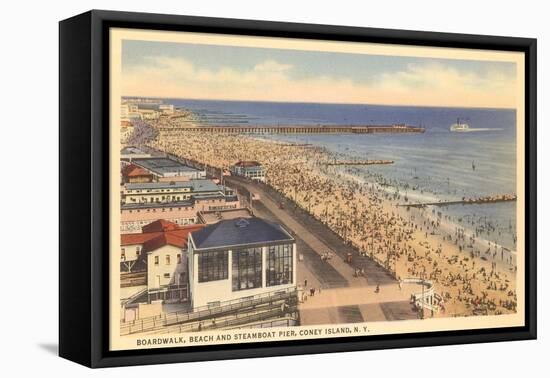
<point>166,275</point>
<point>279,265</point>
<point>213,266</point>
<point>179,258</point>
<point>156,260</point>
<point>123,254</point>
<point>167,259</point>
<point>247,269</point>
<point>137,251</point>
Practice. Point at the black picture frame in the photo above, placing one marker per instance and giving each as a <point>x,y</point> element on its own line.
<point>84,210</point>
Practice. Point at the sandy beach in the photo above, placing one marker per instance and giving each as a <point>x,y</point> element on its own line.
<point>473,276</point>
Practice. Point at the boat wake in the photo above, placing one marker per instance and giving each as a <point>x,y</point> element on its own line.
<point>470,129</point>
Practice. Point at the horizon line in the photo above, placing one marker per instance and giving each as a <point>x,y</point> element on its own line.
<point>325,103</point>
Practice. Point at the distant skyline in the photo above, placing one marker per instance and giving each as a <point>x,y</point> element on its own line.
<point>194,71</point>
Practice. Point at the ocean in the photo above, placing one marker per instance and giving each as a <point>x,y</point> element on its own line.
<point>437,164</point>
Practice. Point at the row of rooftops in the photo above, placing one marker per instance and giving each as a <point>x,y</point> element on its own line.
<point>247,164</point>
<point>132,150</point>
<point>166,164</point>
<point>176,204</point>
<point>162,166</point>
<point>196,185</point>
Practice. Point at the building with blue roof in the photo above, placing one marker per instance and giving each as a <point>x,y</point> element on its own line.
<point>239,258</point>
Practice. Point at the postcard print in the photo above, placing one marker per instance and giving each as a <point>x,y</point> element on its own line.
<point>269,189</point>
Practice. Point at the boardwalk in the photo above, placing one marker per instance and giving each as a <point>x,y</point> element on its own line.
<point>315,234</point>
<point>325,274</point>
<point>358,304</point>
<point>343,297</point>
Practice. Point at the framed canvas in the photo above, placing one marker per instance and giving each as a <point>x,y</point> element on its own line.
<point>234,188</point>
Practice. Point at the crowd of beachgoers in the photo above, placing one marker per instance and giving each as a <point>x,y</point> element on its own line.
<point>472,275</point>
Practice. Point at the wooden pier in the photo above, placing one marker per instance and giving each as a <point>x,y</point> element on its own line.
<point>301,129</point>
<point>467,201</point>
<point>361,162</point>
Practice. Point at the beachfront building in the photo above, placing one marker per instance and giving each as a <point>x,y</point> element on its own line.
<point>154,261</point>
<point>133,174</point>
<point>126,131</point>
<point>166,170</point>
<point>250,169</point>
<point>129,111</point>
<point>214,216</point>
<point>166,108</point>
<point>133,216</point>
<point>239,258</point>
<point>149,114</point>
<point>165,192</point>
<point>128,153</point>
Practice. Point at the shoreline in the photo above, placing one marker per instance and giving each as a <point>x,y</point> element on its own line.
<point>448,224</point>
<point>396,243</point>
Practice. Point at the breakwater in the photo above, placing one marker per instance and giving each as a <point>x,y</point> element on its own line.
<point>360,162</point>
<point>466,201</point>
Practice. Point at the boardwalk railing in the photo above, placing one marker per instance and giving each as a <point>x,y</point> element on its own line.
<point>425,298</point>
<point>134,296</point>
<point>205,312</point>
<point>239,321</point>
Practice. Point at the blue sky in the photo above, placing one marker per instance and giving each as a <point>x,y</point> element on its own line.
<point>209,71</point>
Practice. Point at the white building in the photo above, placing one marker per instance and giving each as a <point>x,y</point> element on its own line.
<point>124,111</point>
<point>166,108</point>
<point>130,152</point>
<point>165,169</point>
<point>129,111</point>
<point>250,169</point>
<point>175,191</point>
<point>157,258</point>
<point>149,114</point>
<point>239,258</point>
<point>126,131</point>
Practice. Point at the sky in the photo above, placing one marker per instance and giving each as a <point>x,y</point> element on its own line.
<point>195,71</point>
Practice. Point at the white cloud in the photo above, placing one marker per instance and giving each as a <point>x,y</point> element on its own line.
<point>418,84</point>
<point>271,66</point>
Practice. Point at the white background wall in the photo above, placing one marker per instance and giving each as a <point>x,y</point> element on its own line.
<point>28,315</point>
